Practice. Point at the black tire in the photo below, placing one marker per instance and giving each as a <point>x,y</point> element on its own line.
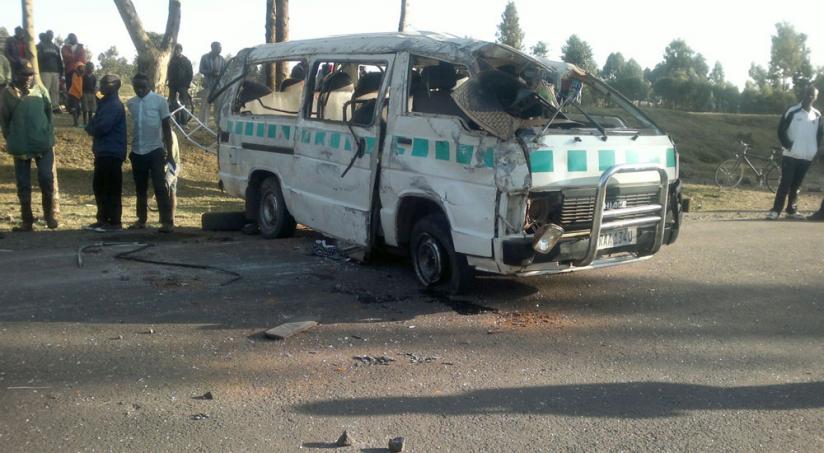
<point>772,177</point>
<point>437,266</point>
<point>223,221</point>
<point>274,219</point>
<point>729,173</point>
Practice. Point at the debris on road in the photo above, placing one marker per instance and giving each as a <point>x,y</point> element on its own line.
<point>369,360</point>
<point>205,396</point>
<point>284,331</point>
<point>149,332</point>
<point>396,444</point>
<point>345,440</point>
<point>119,337</point>
<point>322,249</point>
<point>414,358</point>
<point>200,416</point>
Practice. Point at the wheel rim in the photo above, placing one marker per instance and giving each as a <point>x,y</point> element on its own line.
<point>729,174</point>
<point>269,210</point>
<point>428,260</point>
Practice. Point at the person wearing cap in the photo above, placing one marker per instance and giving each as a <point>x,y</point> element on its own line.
<point>73,53</point>
<point>179,78</point>
<point>151,151</point>
<point>108,130</point>
<point>26,121</point>
<point>51,66</point>
<point>211,64</point>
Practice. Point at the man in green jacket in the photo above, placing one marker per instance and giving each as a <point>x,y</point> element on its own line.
<point>26,120</point>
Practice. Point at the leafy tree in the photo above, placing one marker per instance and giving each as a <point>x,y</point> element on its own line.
<point>540,49</point>
<point>630,81</point>
<point>789,58</point>
<point>579,53</point>
<point>759,76</point>
<point>110,62</point>
<point>717,76</point>
<point>614,65</point>
<point>509,30</point>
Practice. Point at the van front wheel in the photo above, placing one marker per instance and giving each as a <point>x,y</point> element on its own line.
<point>274,219</point>
<point>436,263</point>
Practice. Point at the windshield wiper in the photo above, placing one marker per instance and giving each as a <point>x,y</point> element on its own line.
<point>592,120</point>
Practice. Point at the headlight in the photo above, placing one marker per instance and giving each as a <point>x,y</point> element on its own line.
<point>546,238</point>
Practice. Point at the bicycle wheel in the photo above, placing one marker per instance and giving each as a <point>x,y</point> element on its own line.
<point>772,176</point>
<point>729,173</point>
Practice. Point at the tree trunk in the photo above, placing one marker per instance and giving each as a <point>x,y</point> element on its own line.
<point>271,15</point>
<point>31,47</point>
<point>281,35</point>
<point>402,23</point>
<point>152,61</point>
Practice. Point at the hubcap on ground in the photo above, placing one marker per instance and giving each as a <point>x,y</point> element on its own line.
<point>429,261</point>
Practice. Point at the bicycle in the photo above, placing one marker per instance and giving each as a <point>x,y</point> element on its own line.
<point>730,173</point>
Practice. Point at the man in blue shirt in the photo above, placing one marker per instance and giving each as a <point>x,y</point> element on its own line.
<point>108,128</point>
<point>151,150</point>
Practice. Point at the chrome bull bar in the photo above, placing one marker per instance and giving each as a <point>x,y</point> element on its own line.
<point>601,219</point>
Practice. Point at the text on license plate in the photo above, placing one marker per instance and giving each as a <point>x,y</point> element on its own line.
<point>618,238</point>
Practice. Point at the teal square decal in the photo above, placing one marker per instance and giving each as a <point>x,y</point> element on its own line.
<point>347,144</point>
<point>320,138</point>
<point>576,160</point>
<point>273,131</point>
<point>261,129</point>
<point>305,135</point>
<point>442,150</point>
<point>287,132</point>
<point>334,140</point>
<point>671,158</point>
<point>239,128</point>
<point>370,145</point>
<point>489,158</point>
<point>542,161</point>
<point>397,148</point>
<point>606,159</point>
<point>229,125</point>
<point>250,129</point>
<point>464,154</point>
<point>420,147</point>
<point>633,157</point>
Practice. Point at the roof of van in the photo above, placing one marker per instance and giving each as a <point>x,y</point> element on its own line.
<point>429,43</point>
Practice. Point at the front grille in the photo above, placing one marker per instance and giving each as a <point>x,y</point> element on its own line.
<point>577,212</point>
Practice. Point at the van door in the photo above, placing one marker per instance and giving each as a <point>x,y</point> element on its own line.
<point>338,139</point>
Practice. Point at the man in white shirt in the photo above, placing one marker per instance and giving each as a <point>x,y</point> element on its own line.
<point>800,132</point>
<point>151,151</point>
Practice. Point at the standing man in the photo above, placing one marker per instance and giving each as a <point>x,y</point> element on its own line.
<point>26,120</point>
<point>800,132</point>
<point>73,54</point>
<point>51,66</point>
<point>179,79</point>
<point>151,150</point>
<point>108,129</point>
<point>16,48</point>
<point>211,65</point>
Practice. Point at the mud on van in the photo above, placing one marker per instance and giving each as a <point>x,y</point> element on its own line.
<point>468,155</point>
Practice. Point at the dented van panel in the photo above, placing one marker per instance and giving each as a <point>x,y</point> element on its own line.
<point>376,138</point>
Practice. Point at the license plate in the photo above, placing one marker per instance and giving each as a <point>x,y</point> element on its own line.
<point>618,238</point>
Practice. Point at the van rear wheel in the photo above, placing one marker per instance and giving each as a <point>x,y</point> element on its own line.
<point>274,219</point>
<point>434,259</point>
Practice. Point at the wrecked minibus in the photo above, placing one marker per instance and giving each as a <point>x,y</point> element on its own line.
<point>467,155</point>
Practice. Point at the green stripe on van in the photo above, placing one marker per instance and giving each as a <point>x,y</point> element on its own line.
<point>273,131</point>
<point>606,159</point>
<point>305,135</point>
<point>542,161</point>
<point>420,147</point>
<point>576,160</point>
<point>489,157</point>
<point>370,145</point>
<point>287,131</point>
<point>671,158</point>
<point>442,150</point>
<point>239,128</point>
<point>250,129</point>
<point>464,154</point>
<point>320,138</point>
<point>334,140</point>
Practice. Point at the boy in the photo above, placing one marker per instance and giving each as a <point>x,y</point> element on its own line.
<point>108,127</point>
<point>76,92</point>
<point>89,100</point>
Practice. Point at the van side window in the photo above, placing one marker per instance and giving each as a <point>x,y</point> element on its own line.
<point>431,83</point>
<point>258,94</point>
<point>345,91</point>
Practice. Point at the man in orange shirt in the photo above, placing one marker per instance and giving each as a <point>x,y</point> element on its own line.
<point>73,54</point>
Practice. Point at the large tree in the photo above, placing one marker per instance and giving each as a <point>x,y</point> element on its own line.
<point>509,30</point>
<point>152,57</point>
<point>579,53</point>
<point>789,58</point>
<point>277,30</point>
<point>540,49</point>
<point>28,27</point>
<point>614,65</point>
<point>403,23</point>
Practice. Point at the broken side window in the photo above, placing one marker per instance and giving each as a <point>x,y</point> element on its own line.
<point>430,85</point>
<point>258,94</point>
<point>345,91</point>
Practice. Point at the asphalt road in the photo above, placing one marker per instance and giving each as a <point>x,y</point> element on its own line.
<point>715,344</point>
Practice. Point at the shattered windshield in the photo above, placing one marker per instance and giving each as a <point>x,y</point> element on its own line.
<point>511,92</point>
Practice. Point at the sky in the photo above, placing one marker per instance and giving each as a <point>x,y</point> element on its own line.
<point>736,33</point>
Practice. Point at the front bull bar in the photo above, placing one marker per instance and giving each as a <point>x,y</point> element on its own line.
<point>657,212</point>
